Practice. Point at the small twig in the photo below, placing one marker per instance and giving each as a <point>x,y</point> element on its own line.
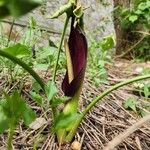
<point>117,140</point>
<point>49,145</point>
<point>137,140</point>
<point>81,141</point>
<point>142,32</point>
<point>131,48</point>
<point>11,28</point>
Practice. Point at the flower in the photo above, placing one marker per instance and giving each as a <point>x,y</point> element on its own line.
<point>76,53</point>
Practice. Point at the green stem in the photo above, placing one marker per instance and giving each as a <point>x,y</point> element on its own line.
<point>60,46</point>
<point>10,138</point>
<point>99,97</point>
<point>60,133</point>
<point>71,106</point>
<point>24,66</point>
<point>108,91</point>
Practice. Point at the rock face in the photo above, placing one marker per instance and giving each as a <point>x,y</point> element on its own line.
<point>98,20</point>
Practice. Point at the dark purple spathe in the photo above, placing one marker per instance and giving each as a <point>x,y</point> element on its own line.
<point>78,51</point>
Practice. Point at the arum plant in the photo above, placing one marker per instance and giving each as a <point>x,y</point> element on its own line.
<point>76,55</point>
<point>67,118</point>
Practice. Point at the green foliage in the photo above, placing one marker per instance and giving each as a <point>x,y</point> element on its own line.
<point>134,105</point>
<point>147,90</point>
<point>12,109</point>
<point>18,50</point>
<point>143,88</point>
<point>28,115</point>
<point>99,56</point>
<point>59,100</point>
<point>140,108</point>
<point>51,90</point>
<point>136,21</point>
<point>138,15</point>
<point>51,93</point>
<point>63,121</point>
<point>37,98</point>
<point>17,8</point>
<point>46,57</point>
<point>107,43</point>
<point>3,121</point>
<point>133,18</point>
<point>142,51</point>
<point>130,103</point>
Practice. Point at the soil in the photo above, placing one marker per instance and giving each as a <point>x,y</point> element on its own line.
<point>104,122</point>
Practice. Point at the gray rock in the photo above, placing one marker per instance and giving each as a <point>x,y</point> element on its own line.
<point>98,18</point>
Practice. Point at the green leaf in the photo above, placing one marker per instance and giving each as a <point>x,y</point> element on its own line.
<point>147,90</point>
<point>45,52</point>
<point>142,6</point>
<point>51,90</point>
<point>17,8</point>
<point>36,97</point>
<point>130,103</point>
<point>36,87</point>
<point>18,50</point>
<point>51,43</point>
<point>107,43</point>
<point>65,121</point>
<point>28,115</point>
<point>133,18</point>
<point>13,106</point>
<point>138,12</point>
<point>148,4</point>
<point>143,113</point>
<point>3,121</point>
<point>59,100</point>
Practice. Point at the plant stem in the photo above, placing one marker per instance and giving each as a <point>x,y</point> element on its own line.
<point>11,28</point>
<point>24,66</point>
<point>60,46</point>
<point>108,91</point>
<point>98,98</point>
<point>10,138</point>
